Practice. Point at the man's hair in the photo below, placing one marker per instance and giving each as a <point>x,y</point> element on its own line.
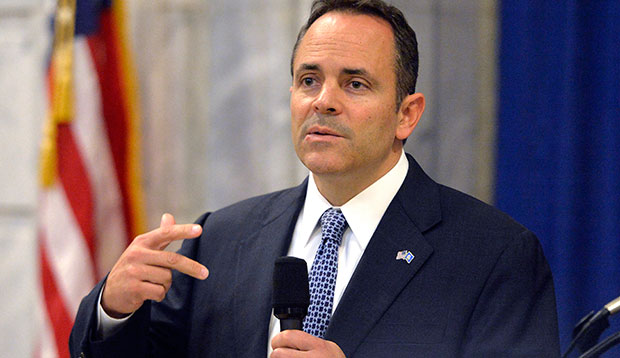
<point>405,43</point>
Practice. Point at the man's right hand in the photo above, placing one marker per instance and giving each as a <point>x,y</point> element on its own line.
<point>144,270</point>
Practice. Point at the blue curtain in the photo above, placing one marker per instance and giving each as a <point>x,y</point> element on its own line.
<point>558,160</point>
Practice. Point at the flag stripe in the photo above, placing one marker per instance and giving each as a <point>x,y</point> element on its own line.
<point>47,348</point>
<point>91,138</point>
<point>56,311</point>
<point>68,257</point>
<point>75,181</point>
<point>113,103</point>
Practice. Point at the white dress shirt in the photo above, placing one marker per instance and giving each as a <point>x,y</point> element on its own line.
<point>363,214</point>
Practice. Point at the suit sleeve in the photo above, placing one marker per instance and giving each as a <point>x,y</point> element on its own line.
<point>154,330</point>
<point>515,315</point>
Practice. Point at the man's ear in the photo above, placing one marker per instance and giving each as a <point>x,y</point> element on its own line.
<point>409,113</point>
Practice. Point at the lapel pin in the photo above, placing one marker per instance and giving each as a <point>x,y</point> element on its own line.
<point>405,255</point>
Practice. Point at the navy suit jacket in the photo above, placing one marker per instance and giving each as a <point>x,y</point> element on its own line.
<point>479,285</point>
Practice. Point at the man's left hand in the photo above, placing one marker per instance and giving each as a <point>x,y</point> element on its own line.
<point>294,343</point>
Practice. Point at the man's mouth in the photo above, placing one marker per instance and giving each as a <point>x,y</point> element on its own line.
<point>322,131</point>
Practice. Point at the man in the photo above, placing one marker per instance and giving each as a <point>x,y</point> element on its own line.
<point>421,270</point>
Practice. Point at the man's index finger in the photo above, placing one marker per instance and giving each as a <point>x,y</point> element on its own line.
<point>182,264</point>
<point>160,238</point>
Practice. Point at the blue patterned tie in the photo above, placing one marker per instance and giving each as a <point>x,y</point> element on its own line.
<point>322,277</point>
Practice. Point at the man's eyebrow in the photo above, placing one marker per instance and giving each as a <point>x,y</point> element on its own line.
<point>362,73</point>
<point>346,71</point>
<point>308,67</point>
<point>355,71</point>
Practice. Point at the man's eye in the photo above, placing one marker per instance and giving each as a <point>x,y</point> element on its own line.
<point>307,81</point>
<point>357,84</point>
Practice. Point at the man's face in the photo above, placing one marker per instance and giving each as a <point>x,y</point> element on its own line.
<point>343,97</point>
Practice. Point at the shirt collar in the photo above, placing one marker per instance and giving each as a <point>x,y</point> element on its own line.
<point>363,212</point>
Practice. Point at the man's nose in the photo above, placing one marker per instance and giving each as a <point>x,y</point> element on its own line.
<point>328,100</point>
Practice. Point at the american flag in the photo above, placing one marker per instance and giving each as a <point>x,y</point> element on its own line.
<point>91,197</point>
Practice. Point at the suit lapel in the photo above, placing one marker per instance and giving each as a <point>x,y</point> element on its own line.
<point>254,260</point>
<point>379,277</point>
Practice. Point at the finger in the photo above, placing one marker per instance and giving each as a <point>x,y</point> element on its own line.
<point>160,238</point>
<point>159,275</point>
<point>167,220</point>
<point>172,260</point>
<point>287,353</point>
<point>295,339</point>
<point>151,291</point>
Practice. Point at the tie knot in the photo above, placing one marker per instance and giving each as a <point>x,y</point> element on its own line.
<point>333,225</point>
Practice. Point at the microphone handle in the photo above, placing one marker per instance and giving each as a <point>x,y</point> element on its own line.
<point>602,347</point>
<point>589,331</point>
<point>291,323</point>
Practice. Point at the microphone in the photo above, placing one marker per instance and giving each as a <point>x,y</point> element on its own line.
<point>613,307</point>
<point>603,347</point>
<point>589,329</point>
<point>291,293</point>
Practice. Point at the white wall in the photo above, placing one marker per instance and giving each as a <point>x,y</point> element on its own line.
<point>23,41</point>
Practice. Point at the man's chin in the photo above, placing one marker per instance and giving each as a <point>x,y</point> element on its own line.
<point>320,165</point>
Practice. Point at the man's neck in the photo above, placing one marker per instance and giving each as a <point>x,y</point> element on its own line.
<point>339,189</point>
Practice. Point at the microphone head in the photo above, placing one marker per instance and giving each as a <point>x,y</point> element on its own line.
<point>291,294</point>
<point>614,306</point>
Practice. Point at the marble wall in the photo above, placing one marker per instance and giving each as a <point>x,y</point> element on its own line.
<point>23,42</point>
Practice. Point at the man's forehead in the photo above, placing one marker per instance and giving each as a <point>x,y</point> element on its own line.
<point>350,23</point>
<point>352,39</point>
